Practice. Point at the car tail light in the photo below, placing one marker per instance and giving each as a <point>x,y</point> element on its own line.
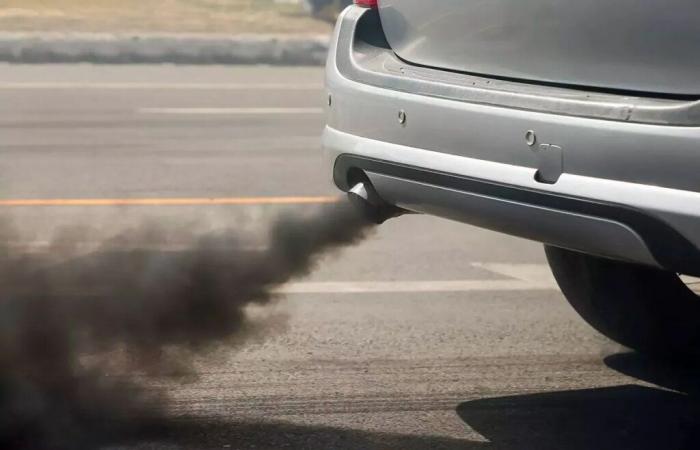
<point>367,3</point>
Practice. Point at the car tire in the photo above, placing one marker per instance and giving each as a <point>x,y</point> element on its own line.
<point>643,308</point>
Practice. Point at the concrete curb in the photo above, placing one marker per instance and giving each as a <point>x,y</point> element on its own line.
<point>162,48</point>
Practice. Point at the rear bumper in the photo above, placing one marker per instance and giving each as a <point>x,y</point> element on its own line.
<point>622,183</point>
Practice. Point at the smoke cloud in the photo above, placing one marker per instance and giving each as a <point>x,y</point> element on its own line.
<point>68,320</point>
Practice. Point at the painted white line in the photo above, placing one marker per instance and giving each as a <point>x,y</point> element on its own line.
<point>521,277</point>
<point>693,283</point>
<point>160,86</point>
<point>230,111</point>
<point>376,287</point>
<point>533,273</point>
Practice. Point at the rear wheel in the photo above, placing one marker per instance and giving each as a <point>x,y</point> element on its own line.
<point>643,308</point>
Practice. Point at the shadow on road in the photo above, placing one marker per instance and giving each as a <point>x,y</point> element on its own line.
<point>619,417</point>
<point>683,377</point>
<point>201,434</point>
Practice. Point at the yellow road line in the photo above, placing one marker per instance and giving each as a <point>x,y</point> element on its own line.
<point>167,201</point>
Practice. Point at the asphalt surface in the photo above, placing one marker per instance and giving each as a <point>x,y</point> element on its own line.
<point>430,334</point>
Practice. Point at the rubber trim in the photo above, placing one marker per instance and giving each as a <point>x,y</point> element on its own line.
<point>671,249</point>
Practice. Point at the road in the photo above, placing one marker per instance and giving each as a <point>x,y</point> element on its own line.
<point>430,334</point>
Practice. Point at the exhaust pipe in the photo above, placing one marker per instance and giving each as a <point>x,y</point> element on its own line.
<point>370,204</point>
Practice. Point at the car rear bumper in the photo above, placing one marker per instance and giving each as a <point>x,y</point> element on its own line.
<point>609,175</point>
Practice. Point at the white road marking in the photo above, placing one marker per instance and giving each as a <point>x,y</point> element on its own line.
<point>533,273</point>
<point>693,283</point>
<point>376,287</point>
<point>521,277</point>
<point>230,111</point>
<point>160,86</point>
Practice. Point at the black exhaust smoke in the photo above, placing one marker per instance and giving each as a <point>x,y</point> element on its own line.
<point>65,327</point>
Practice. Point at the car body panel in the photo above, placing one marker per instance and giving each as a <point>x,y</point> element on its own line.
<point>630,45</point>
<point>645,170</point>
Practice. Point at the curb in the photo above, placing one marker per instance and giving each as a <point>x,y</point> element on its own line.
<point>162,48</point>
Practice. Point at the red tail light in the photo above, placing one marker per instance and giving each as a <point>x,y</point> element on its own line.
<point>367,3</point>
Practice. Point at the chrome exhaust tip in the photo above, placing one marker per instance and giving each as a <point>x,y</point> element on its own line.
<point>370,204</point>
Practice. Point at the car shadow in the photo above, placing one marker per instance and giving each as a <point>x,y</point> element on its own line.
<point>681,376</point>
<point>205,434</point>
<point>619,417</point>
<point>629,416</point>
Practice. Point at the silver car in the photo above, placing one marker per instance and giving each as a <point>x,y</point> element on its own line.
<point>576,124</point>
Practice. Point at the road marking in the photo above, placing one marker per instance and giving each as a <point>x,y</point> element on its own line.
<point>168,201</point>
<point>230,111</point>
<point>521,277</point>
<point>159,86</point>
<point>533,273</point>
<point>377,287</point>
<point>693,283</point>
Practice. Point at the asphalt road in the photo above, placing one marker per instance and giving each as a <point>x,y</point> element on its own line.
<point>430,334</point>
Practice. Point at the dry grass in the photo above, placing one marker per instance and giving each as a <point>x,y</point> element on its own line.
<point>192,16</point>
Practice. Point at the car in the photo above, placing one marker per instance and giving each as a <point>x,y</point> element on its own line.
<point>575,124</point>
